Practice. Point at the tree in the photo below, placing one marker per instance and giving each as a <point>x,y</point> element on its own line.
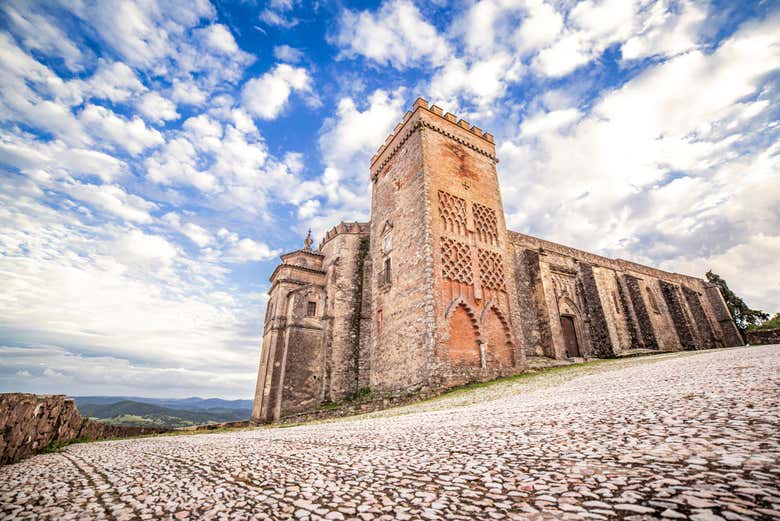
<point>772,323</point>
<point>743,316</point>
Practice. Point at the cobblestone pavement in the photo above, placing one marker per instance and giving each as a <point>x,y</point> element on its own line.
<point>690,436</point>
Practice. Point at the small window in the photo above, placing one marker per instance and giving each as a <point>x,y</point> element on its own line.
<point>379,321</point>
<point>388,271</point>
<point>387,243</point>
<point>311,309</point>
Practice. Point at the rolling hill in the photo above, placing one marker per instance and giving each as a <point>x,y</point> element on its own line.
<point>196,411</point>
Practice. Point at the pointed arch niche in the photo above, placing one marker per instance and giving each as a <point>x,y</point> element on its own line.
<point>498,351</point>
<point>464,337</point>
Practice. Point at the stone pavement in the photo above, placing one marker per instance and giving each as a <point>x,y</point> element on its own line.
<point>684,436</point>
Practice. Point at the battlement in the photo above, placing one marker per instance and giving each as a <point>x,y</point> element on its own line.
<point>344,227</point>
<point>423,104</point>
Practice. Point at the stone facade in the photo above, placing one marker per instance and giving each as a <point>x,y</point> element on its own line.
<point>29,423</point>
<point>435,292</point>
<point>757,337</point>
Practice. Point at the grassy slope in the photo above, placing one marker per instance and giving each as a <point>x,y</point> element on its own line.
<point>128,412</point>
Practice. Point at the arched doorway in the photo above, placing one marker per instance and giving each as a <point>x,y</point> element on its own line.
<point>570,339</point>
<point>464,349</point>
<point>499,347</point>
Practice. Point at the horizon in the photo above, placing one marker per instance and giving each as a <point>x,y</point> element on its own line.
<point>154,171</point>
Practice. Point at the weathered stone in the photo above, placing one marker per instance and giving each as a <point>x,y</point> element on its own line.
<point>29,423</point>
<point>434,291</point>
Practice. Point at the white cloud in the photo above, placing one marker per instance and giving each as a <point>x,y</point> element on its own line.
<point>136,248</point>
<point>176,163</point>
<point>396,35</point>
<point>197,234</point>
<point>540,27</point>
<point>666,32</point>
<point>116,291</point>
<point>750,268</point>
<point>219,37</point>
<point>352,132</point>
<point>563,57</point>
<point>548,121</point>
<point>267,96</point>
<point>112,199</point>
<point>113,81</point>
<point>275,18</point>
<point>480,82</point>
<point>349,138</point>
<point>39,31</point>
<point>287,53</point>
<point>248,250</point>
<point>30,154</point>
<point>157,108</point>
<point>145,32</point>
<point>133,135</point>
<point>655,174</point>
<point>188,93</point>
<point>94,375</point>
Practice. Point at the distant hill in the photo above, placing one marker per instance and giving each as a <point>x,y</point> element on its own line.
<point>198,411</point>
<point>193,403</point>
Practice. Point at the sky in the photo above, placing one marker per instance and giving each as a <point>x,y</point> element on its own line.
<point>156,157</point>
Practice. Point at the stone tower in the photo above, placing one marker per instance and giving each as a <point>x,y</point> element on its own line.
<point>434,291</point>
<point>443,298</point>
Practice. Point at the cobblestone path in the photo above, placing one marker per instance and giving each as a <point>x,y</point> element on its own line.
<point>689,436</point>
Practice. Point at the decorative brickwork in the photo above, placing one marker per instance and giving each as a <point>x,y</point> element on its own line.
<point>491,270</point>
<point>464,349</point>
<point>456,261</point>
<point>498,350</point>
<point>485,224</point>
<point>452,210</point>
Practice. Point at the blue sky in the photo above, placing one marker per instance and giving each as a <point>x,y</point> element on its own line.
<point>157,156</point>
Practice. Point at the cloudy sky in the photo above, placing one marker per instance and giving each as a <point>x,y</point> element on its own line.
<point>157,156</point>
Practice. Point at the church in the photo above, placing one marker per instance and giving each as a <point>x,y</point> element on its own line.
<point>436,292</point>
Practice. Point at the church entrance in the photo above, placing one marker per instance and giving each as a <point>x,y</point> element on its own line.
<point>570,337</point>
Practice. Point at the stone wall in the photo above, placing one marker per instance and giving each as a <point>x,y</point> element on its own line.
<point>30,422</point>
<point>763,337</point>
<point>601,342</point>
<point>671,293</point>
<point>434,291</point>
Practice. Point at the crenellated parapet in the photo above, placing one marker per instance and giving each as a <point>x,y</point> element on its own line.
<point>345,227</point>
<point>426,115</point>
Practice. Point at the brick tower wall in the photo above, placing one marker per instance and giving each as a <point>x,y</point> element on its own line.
<point>400,298</point>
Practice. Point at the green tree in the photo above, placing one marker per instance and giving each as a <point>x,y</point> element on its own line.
<point>772,323</point>
<point>743,316</point>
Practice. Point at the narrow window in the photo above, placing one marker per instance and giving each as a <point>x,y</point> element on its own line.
<point>388,243</point>
<point>379,321</point>
<point>311,309</point>
<point>388,271</point>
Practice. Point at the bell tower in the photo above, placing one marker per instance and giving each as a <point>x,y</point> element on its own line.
<point>443,297</point>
